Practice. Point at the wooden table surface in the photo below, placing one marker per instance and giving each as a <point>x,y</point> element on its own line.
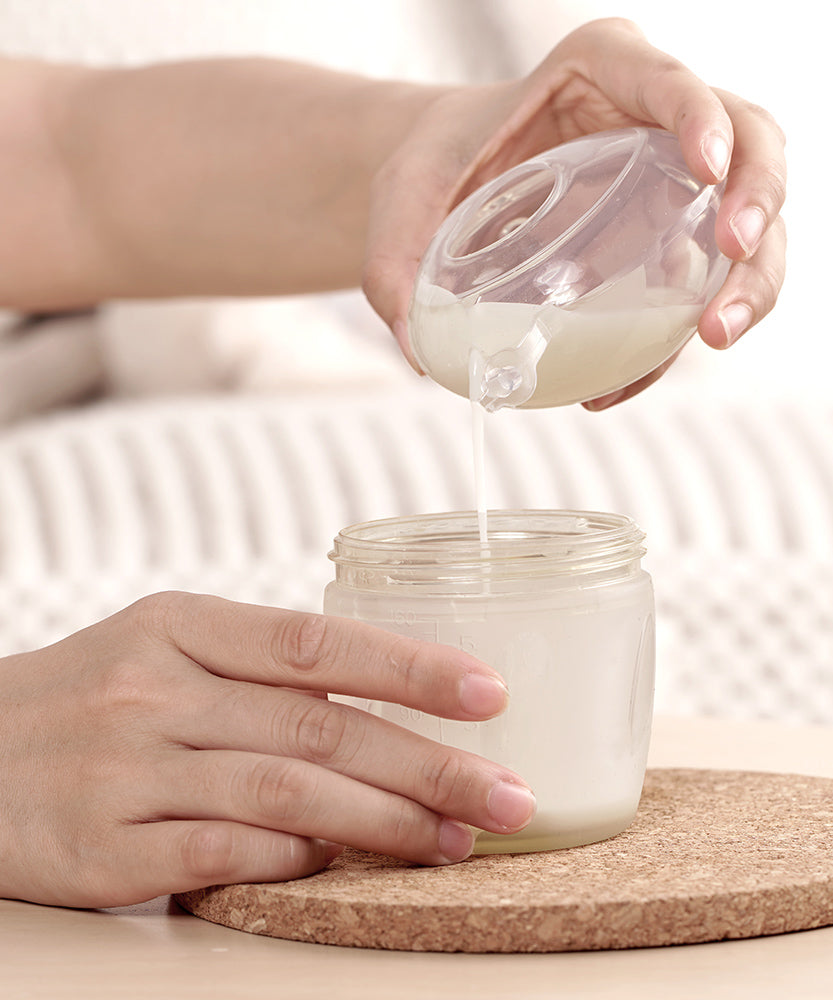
<point>158,950</point>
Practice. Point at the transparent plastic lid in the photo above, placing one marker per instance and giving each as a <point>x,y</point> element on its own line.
<point>570,275</point>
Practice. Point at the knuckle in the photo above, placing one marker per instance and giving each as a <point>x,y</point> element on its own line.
<point>278,790</point>
<point>622,24</point>
<point>409,663</point>
<point>320,731</point>
<point>768,179</point>
<point>664,75</point>
<point>157,614</point>
<point>770,278</point>
<point>665,66</point>
<point>123,691</point>
<point>135,680</point>
<point>776,184</point>
<point>400,827</point>
<point>300,641</point>
<point>444,781</point>
<point>206,852</point>
<point>766,120</point>
<point>601,27</point>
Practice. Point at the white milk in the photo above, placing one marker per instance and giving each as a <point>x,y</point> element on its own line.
<point>580,678</point>
<point>613,339</point>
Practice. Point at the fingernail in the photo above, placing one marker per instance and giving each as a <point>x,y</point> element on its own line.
<point>735,319</point>
<point>482,696</point>
<point>511,806</point>
<point>456,840</point>
<point>748,226</point>
<point>716,151</point>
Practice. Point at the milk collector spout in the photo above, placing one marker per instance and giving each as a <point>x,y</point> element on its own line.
<point>508,377</point>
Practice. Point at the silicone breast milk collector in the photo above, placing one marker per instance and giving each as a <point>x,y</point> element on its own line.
<point>569,276</point>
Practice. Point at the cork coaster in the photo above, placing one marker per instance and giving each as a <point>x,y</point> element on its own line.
<point>710,855</point>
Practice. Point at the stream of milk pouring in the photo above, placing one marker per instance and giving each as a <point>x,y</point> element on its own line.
<point>478,433</point>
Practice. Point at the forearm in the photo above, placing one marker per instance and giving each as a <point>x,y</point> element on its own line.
<point>206,177</point>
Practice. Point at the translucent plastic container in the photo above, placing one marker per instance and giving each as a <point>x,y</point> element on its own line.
<point>570,275</point>
<point>559,604</point>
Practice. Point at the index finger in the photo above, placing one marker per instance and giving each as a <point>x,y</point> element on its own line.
<point>312,652</point>
<point>756,187</point>
<point>652,88</point>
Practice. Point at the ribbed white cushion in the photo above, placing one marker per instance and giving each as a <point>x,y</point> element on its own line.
<point>241,496</point>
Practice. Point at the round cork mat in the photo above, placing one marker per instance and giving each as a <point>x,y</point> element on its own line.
<point>710,855</point>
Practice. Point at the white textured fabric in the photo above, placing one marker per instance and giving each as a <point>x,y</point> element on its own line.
<point>241,496</point>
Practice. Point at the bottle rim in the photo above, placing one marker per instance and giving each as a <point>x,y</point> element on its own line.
<point>519,542</point>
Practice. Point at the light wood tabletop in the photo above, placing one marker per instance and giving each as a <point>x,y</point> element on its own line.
<point>157,950</point>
